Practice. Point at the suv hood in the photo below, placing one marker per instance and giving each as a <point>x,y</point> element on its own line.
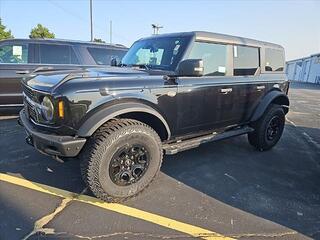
<point>49,80</point>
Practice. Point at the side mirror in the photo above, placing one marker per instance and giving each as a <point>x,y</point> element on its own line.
<point>190,68</point>
<point>114,62</point>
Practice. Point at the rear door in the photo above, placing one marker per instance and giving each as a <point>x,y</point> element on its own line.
<point>16,59</point>
<point>248,84</point>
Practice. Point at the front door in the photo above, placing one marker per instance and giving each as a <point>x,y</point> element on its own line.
<point>201,98</point>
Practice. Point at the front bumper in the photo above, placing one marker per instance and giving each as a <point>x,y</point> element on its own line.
<point>51,144</point>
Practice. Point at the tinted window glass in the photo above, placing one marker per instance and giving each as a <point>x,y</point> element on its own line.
<point>157,53</point>
<point>214,57</point>
<point>57,54</point>
<point>73,57</point>
<point>245,60</point>
<point>274,60</point>
<point>14,53</point>
<point>103,56</point>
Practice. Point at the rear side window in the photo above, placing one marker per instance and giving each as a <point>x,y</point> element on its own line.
<point>14,53</point>
<point>245,60</point>
<point>214,57</point>
<point>57,54</point>
<point>103,56</point>
<point>274,60</point>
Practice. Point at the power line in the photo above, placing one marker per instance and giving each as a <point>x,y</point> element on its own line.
<point>95,25</point>
<point>66,10</point>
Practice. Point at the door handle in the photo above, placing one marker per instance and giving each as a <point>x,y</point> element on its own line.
<point>22,72</point>
<point>261,87</point>
<point>225,90</point>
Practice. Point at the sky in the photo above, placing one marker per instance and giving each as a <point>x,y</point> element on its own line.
<point>294,24</point>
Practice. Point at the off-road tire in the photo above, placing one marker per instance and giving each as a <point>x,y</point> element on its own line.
<point>96,157</point>
<point>258,138</point>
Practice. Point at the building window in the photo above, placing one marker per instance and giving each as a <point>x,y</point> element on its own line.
<point>245,60</point>
<point>274,60</point>
<point>214,57</point>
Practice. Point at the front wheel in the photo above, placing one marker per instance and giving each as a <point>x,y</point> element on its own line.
<point>268,129</point>
<point>121,159</point>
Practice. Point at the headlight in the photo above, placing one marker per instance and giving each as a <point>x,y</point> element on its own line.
<point>47,109</point>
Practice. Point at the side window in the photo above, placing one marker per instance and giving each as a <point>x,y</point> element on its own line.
<point>214,57</point>
<point>73,57</point>
<point>245,60</point>
<point>274,60</point>
<point>118,54</point>
<point>57,54</point>
<point>101,56</point>
<point>14,53</point>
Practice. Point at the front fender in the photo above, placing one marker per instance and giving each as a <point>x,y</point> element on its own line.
<point>277,97</point>
<point>97,119</point>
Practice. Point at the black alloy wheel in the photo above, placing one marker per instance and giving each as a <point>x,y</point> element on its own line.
<point>129,164</point>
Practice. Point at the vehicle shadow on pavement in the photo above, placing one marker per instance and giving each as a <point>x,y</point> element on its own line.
<point>281,185</point>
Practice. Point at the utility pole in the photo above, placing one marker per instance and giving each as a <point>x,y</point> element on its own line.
<point>110,31</point>
<point>91,22</point>
<point>156,28</point>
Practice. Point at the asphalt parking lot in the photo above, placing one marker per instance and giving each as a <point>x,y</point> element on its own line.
<point>225,189</point>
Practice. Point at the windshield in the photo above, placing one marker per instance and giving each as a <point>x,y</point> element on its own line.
<point>157,53</point>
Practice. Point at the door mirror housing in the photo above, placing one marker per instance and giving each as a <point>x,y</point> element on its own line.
<point>190,68</point>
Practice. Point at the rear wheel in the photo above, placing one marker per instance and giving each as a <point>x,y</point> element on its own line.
<point>121,159</point>
<point>268,129</point>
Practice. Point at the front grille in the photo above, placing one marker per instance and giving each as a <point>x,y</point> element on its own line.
<point>30,97</point>
<point>31,111</point>
<point>28,92</point>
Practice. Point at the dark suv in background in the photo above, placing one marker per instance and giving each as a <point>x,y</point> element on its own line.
<point>24,56</point>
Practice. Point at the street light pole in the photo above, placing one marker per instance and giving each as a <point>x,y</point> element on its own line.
<point>91,22</point>
<point>156,28</point>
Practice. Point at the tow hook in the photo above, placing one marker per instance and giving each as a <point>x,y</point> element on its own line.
<point>29,140</point>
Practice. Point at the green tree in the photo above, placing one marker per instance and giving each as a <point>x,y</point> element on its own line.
<point>4,34</point>
<point>41,32</point>
<point>98,40</point>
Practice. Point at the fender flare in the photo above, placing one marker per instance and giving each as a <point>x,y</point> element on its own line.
<point>272,96</point>
<point>97,119</point>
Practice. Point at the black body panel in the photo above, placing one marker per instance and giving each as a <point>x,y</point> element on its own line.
<point>177,107</point>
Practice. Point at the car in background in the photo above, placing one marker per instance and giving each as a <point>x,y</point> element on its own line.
<point>19,57</point>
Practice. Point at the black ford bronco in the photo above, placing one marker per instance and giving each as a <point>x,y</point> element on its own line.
<point>170,93</point>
